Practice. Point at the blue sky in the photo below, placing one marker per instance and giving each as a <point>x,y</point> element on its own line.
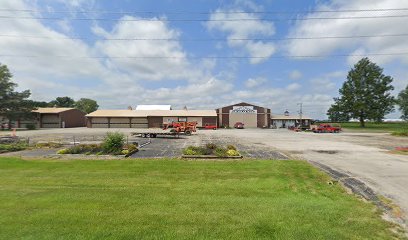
<point>74,50</point>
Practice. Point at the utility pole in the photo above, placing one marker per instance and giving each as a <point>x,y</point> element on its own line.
<point>300,115</point>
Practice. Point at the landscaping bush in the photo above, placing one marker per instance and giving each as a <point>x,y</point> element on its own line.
<point>232,152</point>
<point>13,147</point>
<point>209,150</point>
<point>192,150</point>
<point>63,151</point>
<point>231,147</point>
<point>211,146</point>
<point>113,143</point>
<point>82,149</point>
<point>31,126</point>
<point>48,145</point>
<point>220,152</point>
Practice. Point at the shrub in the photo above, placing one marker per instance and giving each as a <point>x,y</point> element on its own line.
<point>189,152</point>
<point>113,143</point>
<point>211,146</point>
<point>232,152</point>
<point>231,147</point>
<point>31,126</point>
<point>125,152</point>
<point>63,151</point>
<point>220,152</point>
<point>192,150</point>
<point>13,147</point>
<point>48,145</point>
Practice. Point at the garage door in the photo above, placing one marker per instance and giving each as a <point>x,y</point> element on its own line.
<point>118,122</point>
<point>99,122</point>
<point>139,123</point>
<point>50,121</point>
<point>248,119</point>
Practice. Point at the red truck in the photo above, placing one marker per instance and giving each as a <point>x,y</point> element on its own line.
<point>210,126</point>
<point>326,128</point>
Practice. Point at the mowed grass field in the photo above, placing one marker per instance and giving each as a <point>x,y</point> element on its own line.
<point>176,199</point>
<point>376,127</point>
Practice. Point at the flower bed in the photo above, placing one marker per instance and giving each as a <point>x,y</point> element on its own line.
<point>211,150</point>
<point>113,144</point>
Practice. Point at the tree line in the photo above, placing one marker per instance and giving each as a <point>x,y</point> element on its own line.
<point>16,105</point>
<point>367,95</point>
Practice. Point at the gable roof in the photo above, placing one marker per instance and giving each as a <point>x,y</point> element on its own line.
<point>52,110</point>
<point>153,107</point>
<point>242,103</point>
<point>153,113</point>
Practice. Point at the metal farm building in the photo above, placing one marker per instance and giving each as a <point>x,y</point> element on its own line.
<point>148,118</point>
<point>251,116</point>
<point>59,118</point>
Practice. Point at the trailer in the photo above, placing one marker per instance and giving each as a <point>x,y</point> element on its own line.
<point>174,129</point>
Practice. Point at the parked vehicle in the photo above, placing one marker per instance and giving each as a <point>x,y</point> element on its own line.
<point>326,128</point>
<point>239,125</point>
<point>210,126</point>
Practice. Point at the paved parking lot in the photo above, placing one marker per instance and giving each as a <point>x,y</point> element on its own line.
<point>363,156</point>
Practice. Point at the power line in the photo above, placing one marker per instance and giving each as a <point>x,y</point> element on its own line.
<point>210,39</point>
<point>202,13</point>
<point>201,20</point>
<point>206,57</point>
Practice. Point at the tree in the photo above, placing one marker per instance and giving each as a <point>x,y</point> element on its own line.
<point>13,105</point>
<point>337,112</point>
<point>86,105</point>
<point>366,94</point>
<point>402,101</point>
<point>63,102</point>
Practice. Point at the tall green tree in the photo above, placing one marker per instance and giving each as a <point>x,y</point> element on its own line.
<point>402,102</point>
<point>337,112</point>
<point>366,94</point>
<point>13,105</point>
<point>86,105</point>
<point>63,102</point>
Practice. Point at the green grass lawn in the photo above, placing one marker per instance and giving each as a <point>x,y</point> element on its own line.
<point>376,127</point>
<point>175,199</point>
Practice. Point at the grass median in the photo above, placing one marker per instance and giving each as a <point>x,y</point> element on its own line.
<point>175,199</point>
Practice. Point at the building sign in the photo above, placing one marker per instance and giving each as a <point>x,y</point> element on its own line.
<point>243,109</point>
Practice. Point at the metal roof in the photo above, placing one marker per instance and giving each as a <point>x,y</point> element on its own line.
<point>153,113</point>
<point>153,107</point>
<point>51,110</point>
<point>285,117</point>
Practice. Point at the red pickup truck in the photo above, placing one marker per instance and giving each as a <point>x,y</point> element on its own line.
<point>210,126</point>
<point>326,128</point>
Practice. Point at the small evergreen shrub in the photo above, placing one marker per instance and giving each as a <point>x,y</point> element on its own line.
<point>220,152</point>
<point>232,152</point>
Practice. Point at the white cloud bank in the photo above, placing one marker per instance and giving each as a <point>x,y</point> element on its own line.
<point>244,30</point>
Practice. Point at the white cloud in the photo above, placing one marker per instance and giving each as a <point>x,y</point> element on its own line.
<point>254,82</point>
<point>295,75</point>
<point>243,30</point>
<point>293,87</point>
<point>352,27</point>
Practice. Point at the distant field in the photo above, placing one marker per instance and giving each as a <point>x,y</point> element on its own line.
<point>174,199</point>
<point>376,127</point>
